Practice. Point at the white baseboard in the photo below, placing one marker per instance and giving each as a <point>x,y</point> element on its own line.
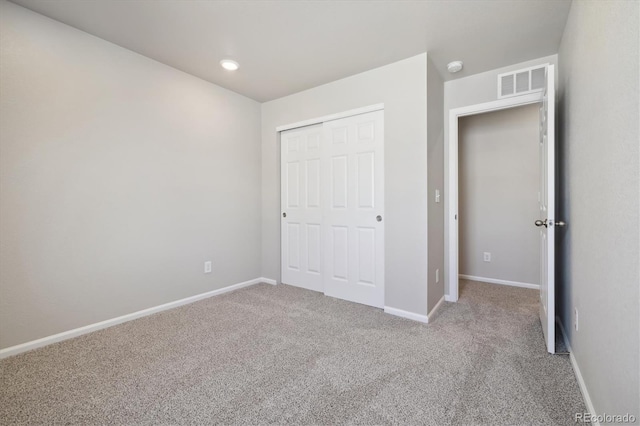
<point>34,344</point>
<point>501,282</point>
<point>433,312</point>
<point>413,316</point>
<point>268,281</point>
<point>576,370</point>
<point>406,314</point>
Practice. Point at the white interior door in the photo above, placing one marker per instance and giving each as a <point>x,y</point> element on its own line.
<point>353,214</point>
<point>301,207</point>
<point>547,219</point>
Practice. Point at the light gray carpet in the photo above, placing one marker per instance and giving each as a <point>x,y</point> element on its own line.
<point>278,354</point>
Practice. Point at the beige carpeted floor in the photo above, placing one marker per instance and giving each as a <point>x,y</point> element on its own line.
<point>278,354</point>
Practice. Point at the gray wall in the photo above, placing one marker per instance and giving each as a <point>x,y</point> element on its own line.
<point>119,177</point>
<point>599,165</point>
<point>472,90</point>
<point>498,194</point>
<point>435,180</point>
<point>402,87</point>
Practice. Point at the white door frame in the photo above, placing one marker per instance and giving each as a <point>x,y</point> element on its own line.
<point>451,180</point>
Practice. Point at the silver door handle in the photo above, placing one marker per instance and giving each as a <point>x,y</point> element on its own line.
<point>560,223</point>
<point>379,218</point>
<point>541,223</point>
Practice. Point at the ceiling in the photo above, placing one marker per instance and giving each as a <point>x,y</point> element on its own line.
<point>284,47</point>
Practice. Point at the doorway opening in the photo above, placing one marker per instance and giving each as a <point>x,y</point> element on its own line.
<point>499,178</point>
<point>546,221</point>
<point>452,181</point>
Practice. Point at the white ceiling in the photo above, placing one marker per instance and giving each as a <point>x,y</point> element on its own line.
<point>287,46</point>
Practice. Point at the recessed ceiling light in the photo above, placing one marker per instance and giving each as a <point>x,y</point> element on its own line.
<point>229,65</point>
<point>454,66</point>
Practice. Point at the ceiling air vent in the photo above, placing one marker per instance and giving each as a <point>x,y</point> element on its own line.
<point>521,82</point>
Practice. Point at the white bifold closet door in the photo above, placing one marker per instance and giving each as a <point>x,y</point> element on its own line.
<point>349,213</point>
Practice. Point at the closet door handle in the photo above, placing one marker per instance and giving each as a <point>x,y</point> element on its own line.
<point>284,214</point>
<point>379,218</point>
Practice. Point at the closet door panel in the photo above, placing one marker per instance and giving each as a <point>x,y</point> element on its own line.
<point>353,216</point>
<point>301,204</point>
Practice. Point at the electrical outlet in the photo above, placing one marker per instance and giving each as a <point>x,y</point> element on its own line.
<point>575,318</point>
<point>437,276</point>
<point>487,256</point>
<point>208,267</point>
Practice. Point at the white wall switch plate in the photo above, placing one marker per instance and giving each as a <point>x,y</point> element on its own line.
<point>208,267</point>
<point>437,195</point>
<point>437,275</point>
<point>487,256</point>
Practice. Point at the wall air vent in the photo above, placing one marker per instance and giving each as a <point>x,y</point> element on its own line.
<point>521,82</point>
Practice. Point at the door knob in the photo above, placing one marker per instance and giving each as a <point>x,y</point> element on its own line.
<point>560,223</point>
<point>541,223</point>
<point>379,218</point>
<point>284,215</point>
